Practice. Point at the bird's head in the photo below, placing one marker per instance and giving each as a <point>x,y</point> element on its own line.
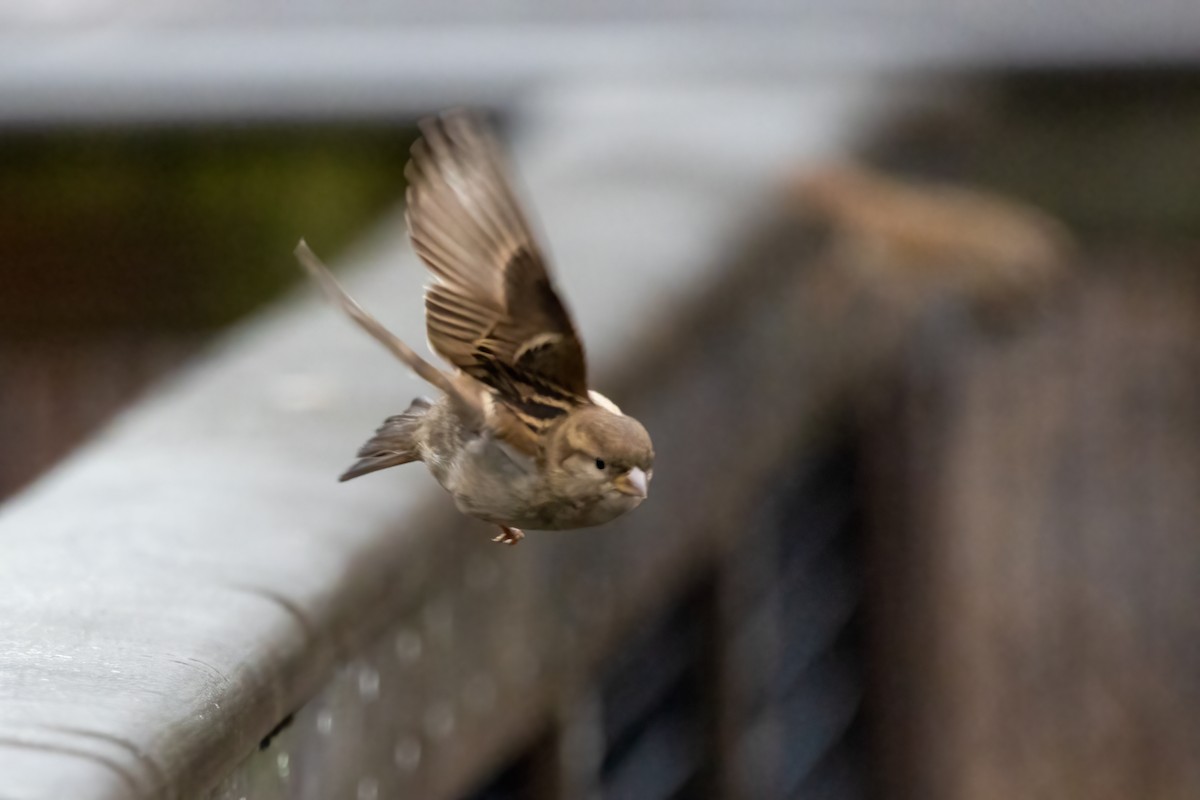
<point>599,455</point>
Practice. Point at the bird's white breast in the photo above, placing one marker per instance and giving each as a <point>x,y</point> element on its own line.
<point>493,482</point>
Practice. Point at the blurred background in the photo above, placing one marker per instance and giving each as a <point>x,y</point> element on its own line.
<point>977,574</point>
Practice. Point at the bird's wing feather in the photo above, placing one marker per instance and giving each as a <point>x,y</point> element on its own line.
<point>493,311</point>
<point>462,391</point>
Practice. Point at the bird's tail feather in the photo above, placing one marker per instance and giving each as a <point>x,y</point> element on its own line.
<point>395,442</point>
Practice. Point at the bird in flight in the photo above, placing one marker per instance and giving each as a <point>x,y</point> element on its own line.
<point>515,435</point>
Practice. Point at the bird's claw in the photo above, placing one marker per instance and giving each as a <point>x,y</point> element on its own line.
<point>509,535</point>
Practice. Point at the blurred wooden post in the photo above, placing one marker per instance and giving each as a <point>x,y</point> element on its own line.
<point>1036,553</point>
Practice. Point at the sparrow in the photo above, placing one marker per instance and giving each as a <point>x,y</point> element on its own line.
<point>515,434</point>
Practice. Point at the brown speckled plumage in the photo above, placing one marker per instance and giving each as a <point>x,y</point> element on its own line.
<point>516,437</point>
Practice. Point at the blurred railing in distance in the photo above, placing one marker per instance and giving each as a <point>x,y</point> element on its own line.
<point>124,249</point>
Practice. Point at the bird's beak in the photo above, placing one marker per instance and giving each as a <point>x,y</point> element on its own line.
<point>633,483</point>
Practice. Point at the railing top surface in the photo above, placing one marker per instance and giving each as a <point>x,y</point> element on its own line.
<point>186,580</point>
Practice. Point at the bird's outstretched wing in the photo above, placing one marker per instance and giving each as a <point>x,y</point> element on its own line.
<point>492,311</point>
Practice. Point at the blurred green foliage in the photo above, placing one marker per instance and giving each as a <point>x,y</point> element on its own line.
<point>177,229</point>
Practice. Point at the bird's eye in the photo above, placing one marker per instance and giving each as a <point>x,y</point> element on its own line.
<point>600,463</point>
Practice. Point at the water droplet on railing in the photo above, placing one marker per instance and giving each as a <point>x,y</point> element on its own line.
<point>325,722</point>
<point>439,720</point>
<point>408,753</point>
<point>283,763</point>
<point>368,684</point>
<point>408,646</point>
<point>368,789</point>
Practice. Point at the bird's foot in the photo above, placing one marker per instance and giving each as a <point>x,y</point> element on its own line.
<point>509,535</point>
